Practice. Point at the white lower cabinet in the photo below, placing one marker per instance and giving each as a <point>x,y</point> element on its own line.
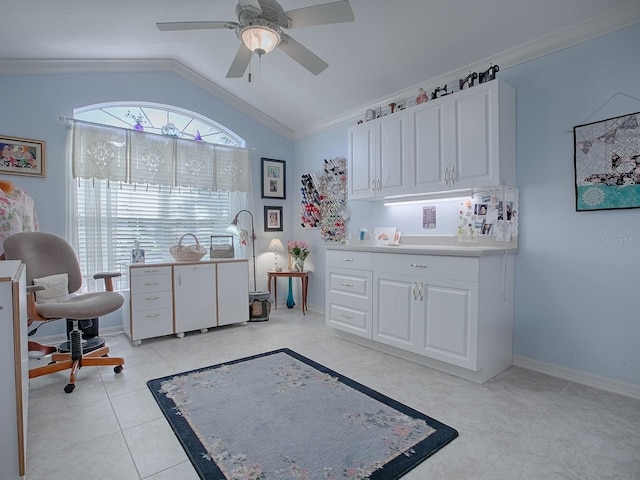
<point>175,298</point>
<point>194,290</point>
<point>456,311</point>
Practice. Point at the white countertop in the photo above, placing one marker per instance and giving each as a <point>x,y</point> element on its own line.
<point>428,245</point>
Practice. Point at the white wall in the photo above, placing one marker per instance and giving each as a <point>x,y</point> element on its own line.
<point>576,302</point>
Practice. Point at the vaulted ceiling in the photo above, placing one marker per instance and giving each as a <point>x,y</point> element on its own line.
<point>392,48</point>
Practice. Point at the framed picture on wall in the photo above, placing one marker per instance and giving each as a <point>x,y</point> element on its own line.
<point>21,156</point>
<point>272,219</point>
<point>607,163</point>
<point>274,178</point>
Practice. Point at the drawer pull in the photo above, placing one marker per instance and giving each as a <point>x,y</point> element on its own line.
<point>152,315</point>
<point>347,259</point>
<point>152,271</point>
<point>152,298</point>
<point>152,283</point>
<point>347,284</point>
<point>346,316</point>
<point>418,265</point>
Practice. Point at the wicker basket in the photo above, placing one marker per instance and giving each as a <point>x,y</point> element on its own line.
<point>191,253</point>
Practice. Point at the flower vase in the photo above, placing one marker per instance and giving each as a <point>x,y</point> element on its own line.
<point>298,264</point>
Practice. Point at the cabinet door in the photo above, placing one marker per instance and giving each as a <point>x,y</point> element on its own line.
<point>194,290</point>
<point>233,292</point>
<point>449,328</point>
<point>392,148</point>
<point>361,171</point>
<point>475,158</point>
<point>395,307</point>
<point>429,160</point>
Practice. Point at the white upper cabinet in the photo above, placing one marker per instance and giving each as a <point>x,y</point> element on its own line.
<point>377,164</point>
<point>462,140</point>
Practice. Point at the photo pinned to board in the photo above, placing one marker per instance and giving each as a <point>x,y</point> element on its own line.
<point>490,214</point>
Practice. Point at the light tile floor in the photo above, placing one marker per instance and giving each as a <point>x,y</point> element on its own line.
<point>520,425</point>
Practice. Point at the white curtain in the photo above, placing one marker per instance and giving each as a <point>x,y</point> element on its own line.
<point>121,155</point>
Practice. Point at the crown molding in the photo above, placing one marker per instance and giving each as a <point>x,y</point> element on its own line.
<point>609,22</point>
<point>54,66</point>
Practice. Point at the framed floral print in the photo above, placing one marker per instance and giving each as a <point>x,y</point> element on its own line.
<point>21,156</point>
<point>274,178</point>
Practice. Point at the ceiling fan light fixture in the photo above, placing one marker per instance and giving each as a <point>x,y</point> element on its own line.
<point>260,38</point>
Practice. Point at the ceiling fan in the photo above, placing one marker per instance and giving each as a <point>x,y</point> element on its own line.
<point>260,28</point>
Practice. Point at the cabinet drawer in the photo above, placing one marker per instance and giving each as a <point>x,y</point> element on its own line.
<point>150,300</point>
<point>352,284</point>
<point>349,259</point>
<point>150,283</point>
<point>454,268</point>
<point>349,318</point>
<point>151,323</point>
<point>149,270</point>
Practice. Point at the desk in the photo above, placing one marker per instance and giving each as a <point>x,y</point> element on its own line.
<point>304,278</point>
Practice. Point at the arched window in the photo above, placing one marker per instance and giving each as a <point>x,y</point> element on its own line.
<point>110,217</point>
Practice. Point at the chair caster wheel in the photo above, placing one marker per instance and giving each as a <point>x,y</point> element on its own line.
<point>117,368</point>
<point>69,388</point>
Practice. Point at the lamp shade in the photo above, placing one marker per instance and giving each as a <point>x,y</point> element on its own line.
<point>233,229</point>
<point>260,39</point>
<point>275,245</point>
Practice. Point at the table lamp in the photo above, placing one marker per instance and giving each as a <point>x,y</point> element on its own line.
<point>276,246</point>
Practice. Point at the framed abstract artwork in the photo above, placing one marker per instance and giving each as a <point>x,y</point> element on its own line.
<point>274,178</point>
<point>607,163</point>
<point>21,156</point>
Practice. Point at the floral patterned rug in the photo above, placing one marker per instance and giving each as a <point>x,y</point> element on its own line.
<point>279,416</point>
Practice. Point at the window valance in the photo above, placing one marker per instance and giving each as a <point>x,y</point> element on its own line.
<point>129,156</point>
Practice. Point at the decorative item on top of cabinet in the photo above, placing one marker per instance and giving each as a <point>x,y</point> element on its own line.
<point>437,92</point>
<point>489,74</point>
<point>468,81</point>
<point>422,96</point>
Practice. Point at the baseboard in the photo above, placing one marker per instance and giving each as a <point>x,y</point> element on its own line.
<point>621,388</point>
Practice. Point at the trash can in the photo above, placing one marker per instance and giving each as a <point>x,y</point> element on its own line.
<point>259,306</point>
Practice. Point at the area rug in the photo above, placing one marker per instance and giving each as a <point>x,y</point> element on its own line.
<point>280,415</point>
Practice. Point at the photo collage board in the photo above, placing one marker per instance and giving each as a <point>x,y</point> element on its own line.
<point>491,213</point>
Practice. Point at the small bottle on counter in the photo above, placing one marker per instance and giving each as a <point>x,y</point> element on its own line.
<point>364,233</point>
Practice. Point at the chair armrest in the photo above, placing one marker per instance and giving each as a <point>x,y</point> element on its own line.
<point>35,288</point>
<point>107,276</point>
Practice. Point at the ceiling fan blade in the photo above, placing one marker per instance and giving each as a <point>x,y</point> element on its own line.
<point>335,12</point>
<point>171,26</point>
<point>302,55</point>
<point>240,62</point>
<point>252,5</point>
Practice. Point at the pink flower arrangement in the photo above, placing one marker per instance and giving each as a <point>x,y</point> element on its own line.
<point>298,249</point>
